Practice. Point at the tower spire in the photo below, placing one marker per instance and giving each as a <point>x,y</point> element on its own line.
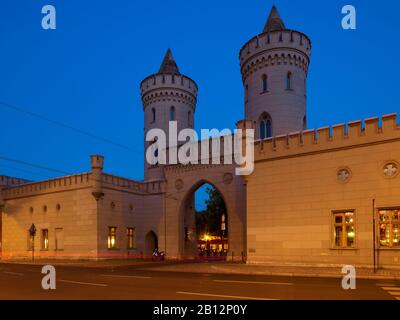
<point>274,22</point>
<point>168,65</point>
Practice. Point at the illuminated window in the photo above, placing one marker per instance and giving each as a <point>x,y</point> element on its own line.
<point>45,239</point>
<point>343,229</point>
<point>389,227</point>
<point>112,238</point>
<point>130,236</point>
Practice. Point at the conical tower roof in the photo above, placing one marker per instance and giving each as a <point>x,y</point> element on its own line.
<point>274,22</point>
<point>168,65</point>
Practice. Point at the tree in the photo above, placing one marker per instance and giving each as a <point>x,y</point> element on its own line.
<point>209,220</point>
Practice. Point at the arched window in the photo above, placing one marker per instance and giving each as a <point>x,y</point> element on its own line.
<point>264,81</point>
<point>265,126</point>
<point>172,114</point>
<point>153,115</point>
<point>268,128</point>
<point>304,123</point>
<point>262,130</point>
<point>289,81</point>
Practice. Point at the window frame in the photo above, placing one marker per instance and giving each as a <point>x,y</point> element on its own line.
<point>109,238</point>
<point>378,228</point>
<point>264,83</point>
<point>44,246</point>
<point>172,113</point>
<point>333,225</point>
<point>289,81</point>
<point>130,238</point>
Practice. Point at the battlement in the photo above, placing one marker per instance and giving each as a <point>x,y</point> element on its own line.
<point>355,133</point>
<point>168,84</point>
<point>286,46</point>
<point>12,181</point>
<point>53,185</point>
<point>80,181</point>
<point>145,188</point>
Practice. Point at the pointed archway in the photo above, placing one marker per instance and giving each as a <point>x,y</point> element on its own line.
<point>205,231</point>
<point>151,243</point>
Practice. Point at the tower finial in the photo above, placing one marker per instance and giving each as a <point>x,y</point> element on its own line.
<point>274,22</point>
<point>169,66</point>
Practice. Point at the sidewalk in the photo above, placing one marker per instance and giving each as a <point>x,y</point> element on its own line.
<point>84,263</point>
<point>269,270</point>
<point>220,267</point>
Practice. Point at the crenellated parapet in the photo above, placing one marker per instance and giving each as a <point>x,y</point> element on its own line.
<point>110,181</point>
<point>330,138</point>
<point>288,47</point>
<point>48,186</point>
<point>12,181</point>
<point>157,87</point>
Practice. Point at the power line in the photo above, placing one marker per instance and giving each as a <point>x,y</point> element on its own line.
<point>23,170</point>
<point>59,123</point>
<point>33,165</point>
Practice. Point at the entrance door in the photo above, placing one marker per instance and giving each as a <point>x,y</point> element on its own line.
<point>151,243</point>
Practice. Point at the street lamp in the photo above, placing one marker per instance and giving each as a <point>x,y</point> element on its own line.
<point>32,233</point>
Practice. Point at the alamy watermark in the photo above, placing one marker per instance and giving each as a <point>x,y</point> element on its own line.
<point>349,21</point>
<point>185,148</point>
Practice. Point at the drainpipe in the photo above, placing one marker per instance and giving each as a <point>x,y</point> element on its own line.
<point>374,233</point>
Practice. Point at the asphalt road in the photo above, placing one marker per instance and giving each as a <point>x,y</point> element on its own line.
<point>135,282</point>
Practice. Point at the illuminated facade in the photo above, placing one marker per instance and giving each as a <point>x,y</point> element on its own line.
<point>316,197</point>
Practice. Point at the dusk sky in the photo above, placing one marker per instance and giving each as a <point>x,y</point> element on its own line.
<point>86,73</point>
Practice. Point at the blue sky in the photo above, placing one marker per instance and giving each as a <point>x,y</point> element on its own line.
<point>86,73</point>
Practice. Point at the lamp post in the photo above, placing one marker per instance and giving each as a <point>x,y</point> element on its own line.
<point>32,233</point>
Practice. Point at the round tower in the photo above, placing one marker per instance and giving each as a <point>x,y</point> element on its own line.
<point>167,96</point>
<point>274,67</point>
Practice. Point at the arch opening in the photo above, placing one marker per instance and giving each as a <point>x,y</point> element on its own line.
<point>205,224</point>
<point>151,243</point>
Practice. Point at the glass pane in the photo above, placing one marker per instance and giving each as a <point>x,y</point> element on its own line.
<point>384,216</point>
<point>384,234</point>
<point>395,216</point>
<point>349,217</point>
<point>350,235</point>
<point>395,240</point>
<point>338,219</point>
<point>338,236</point>
<point>262,130</point>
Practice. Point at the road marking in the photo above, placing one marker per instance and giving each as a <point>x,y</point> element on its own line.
<point>124,276</point>
<point>385,284</point>
<point>222,296</point>
<point>13,273</point>
<point>85,283</point>
<point>391,288</point>
<point>256,282</point>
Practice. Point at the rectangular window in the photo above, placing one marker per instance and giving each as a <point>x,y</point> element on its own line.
<point>112,238</point>
<point>343,229</point>
<point>59,243</point>
<point>389,227</point>
<point>45,239</point>
<point>130,236</point>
